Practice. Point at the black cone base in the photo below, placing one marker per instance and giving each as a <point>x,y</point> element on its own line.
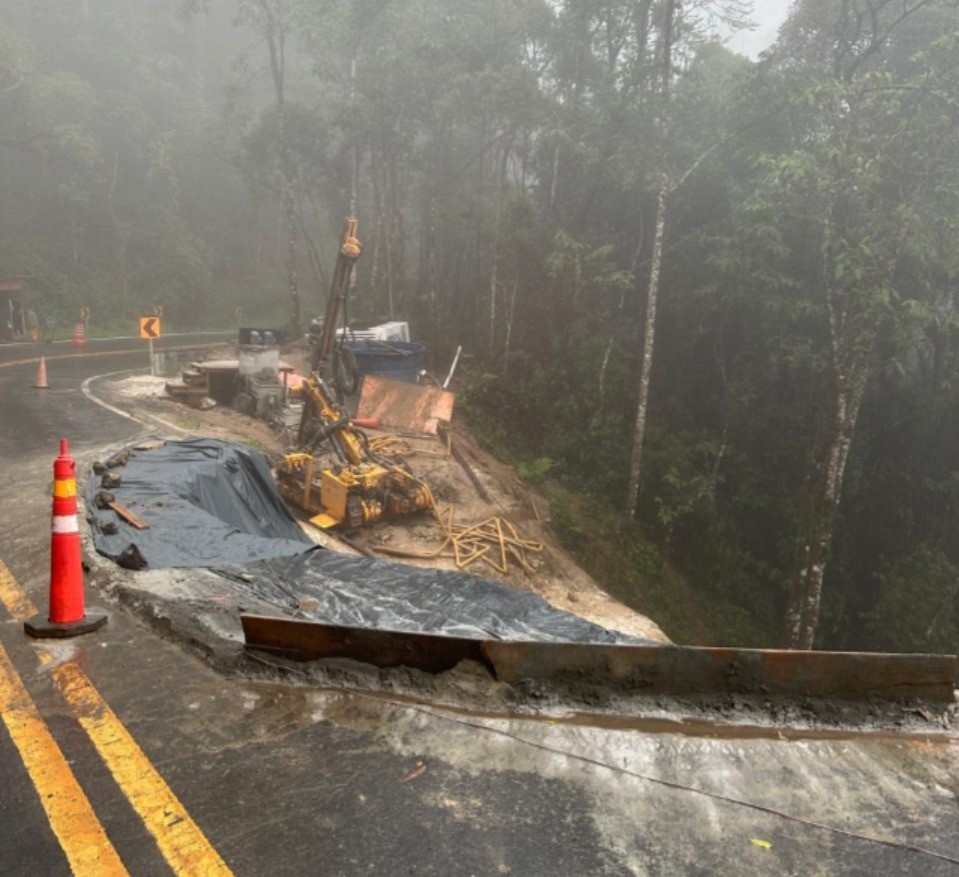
<point>41,627</point>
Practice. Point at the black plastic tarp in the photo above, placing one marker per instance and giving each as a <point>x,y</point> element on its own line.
<point>214,504</point>
<point>363,592</point>
<point>207,503</point>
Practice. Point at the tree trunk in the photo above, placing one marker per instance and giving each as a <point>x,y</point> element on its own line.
<point>427,269</point>
<point>312,253</point>
<point>510,313</point>
<point>397,251</point>
<point>554,176</point>
<point>493,279</point>
<point>276,45</point>
<point>379,223</point>
<point>820,502</point>
<point>656,261</point>
<point>646,362</point>
<point>431,269</point>
<point>601,388</point>
<point>120,229</point>
<point>290,209</point>
<point>494,270</point>
<point>355,157</point>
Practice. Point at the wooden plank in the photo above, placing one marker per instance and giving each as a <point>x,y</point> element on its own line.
<point>652,669</point>
<point>460,457</point>
<point>128,516</point>
<point>405,406</point>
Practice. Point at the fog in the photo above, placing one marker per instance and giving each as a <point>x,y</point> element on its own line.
<point>703,276</point>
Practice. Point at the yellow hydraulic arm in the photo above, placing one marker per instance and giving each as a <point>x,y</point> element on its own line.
<point>335,422</point>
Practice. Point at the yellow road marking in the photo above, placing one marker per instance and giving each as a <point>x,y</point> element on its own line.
<point>182,843</point>
<point>18,604</point>
<point>53,358</point>
<point>81,836</point>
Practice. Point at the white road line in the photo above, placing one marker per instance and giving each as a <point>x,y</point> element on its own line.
<point>85,389</point>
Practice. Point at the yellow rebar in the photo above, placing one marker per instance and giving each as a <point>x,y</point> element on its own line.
<point>467,545</point>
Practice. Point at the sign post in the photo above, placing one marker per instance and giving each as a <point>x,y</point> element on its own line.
<point>150,328</point>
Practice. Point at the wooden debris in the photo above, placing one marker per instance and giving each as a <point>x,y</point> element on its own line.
<point>495,541</point>
<point>460,458</point>
<point>128,516</point>
<point>415,773</point>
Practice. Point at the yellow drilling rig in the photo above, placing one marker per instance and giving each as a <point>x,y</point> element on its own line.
<point>360,486</point>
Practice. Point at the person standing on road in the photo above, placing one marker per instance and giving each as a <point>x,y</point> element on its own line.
<point>33,325</point>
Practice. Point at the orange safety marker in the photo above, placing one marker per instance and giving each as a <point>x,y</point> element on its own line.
<point>41,383</point>
<point>68,616</point>
<point>79,335</point>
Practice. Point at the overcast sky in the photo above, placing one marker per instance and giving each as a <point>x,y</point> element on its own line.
<point>768,15</point>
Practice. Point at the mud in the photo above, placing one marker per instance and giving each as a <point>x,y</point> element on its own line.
<point>554,576</point>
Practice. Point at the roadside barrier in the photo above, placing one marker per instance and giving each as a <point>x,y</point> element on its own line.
<point>79,335</point>
<point>41,383</point>
<point>67,616</point>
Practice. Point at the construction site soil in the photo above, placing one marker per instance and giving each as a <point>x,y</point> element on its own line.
<point>554,574</point>
<point>200,609</point>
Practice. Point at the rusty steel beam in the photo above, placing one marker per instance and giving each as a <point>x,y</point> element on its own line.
<point>694,670</point>
<point>653,669</point>
<point>310,641</point>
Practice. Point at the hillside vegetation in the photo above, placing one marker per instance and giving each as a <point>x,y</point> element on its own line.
<point>709,303</point>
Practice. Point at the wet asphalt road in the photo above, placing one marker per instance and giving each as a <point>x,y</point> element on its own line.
<point>282,780</point>
<point>30,419</point>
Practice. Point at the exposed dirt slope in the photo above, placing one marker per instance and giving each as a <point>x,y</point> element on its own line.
<point>476,485</point>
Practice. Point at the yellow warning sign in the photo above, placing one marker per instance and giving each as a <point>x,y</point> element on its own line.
<point>150,328</point>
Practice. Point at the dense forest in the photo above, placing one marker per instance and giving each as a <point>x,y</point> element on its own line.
<point>710,305</point>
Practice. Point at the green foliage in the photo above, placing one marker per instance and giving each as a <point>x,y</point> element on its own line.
<point>503,157</point>
<point>916,609</point>
<point>631,569</point>
<point>535,471</point>
<point>683,477</point>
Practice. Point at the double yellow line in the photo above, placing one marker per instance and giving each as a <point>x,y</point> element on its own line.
<point>72,818</point>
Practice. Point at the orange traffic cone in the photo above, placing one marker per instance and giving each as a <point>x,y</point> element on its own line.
<point>41,383</point>
<point>67,616</point>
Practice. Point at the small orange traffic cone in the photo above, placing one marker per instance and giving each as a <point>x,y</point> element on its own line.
<point>67,616</point>
<point>41,383</point>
